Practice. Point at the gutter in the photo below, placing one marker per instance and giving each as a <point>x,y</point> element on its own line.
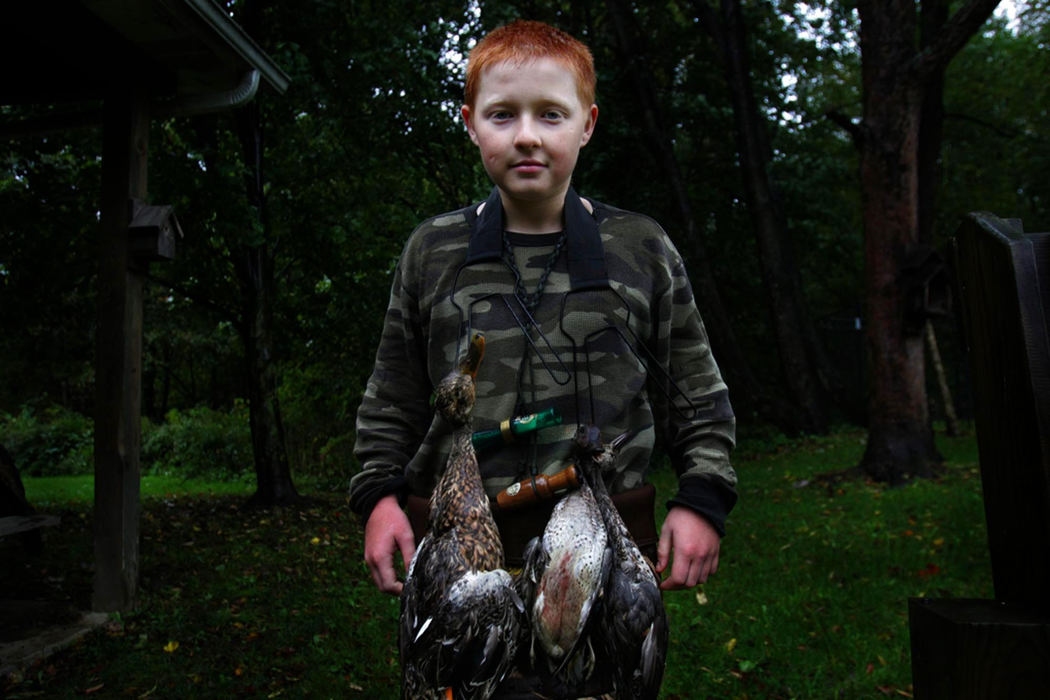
<point>237,96</point>
<point>239,41</point>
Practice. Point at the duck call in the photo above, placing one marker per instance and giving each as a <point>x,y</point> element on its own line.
<point>511,428</point>
<point>537,488</point>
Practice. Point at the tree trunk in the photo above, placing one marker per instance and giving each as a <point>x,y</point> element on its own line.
<point>734,366</point>
<point>895,76</point>
<point>272,473</point>
<point>254,264</point>
<point>933,15</point>
<point>950,418</point>
<point>900,443</point>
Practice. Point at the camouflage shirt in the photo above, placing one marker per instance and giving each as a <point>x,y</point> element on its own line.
<point>615,340</point>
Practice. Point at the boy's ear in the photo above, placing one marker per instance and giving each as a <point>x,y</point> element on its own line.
<point>465,112</point>
<point>588,129</point>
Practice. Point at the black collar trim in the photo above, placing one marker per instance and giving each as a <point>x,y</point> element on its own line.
<point>586,252</point>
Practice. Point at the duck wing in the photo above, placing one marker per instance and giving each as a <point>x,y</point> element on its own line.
<point>635,627</point>
<point>460,628</point>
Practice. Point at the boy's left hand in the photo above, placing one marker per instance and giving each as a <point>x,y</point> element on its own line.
<point>695,544</point>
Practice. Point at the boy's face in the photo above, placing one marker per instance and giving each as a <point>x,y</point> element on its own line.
<point>529,124</point>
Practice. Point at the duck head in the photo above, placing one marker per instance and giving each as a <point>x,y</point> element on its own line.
<point>454,396</point>
<point>589,446</point>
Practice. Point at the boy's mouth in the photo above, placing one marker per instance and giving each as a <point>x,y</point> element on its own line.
<point>528,166</point>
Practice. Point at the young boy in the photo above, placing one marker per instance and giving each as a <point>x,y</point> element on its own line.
<point>585,309</point>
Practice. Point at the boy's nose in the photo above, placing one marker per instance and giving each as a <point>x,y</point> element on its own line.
<point>527,136</point>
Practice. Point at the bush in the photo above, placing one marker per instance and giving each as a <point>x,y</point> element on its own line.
<point>199,443</point>
<point>318,410</point>
<point>51,441</point>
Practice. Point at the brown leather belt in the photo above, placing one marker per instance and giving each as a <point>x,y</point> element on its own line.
<point>517,527</point>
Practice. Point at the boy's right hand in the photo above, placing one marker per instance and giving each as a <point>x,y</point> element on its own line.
<point>386,532</point>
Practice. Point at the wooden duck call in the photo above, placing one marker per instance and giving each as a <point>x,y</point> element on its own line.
<point>537,488</point>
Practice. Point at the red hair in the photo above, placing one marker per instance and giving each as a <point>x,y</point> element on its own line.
<point>522,41</point>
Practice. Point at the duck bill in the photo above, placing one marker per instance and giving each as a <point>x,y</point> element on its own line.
<point>475,351</point>
<point>623,438</point>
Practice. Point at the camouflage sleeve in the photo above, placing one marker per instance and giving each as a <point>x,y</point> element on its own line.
<point>395,411</point>
<point>700,428</point>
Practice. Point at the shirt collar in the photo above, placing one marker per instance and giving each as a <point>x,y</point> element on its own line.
<point>586,253</point>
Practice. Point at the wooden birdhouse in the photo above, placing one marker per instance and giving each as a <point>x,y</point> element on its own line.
<point>152,232</point>
<point>927,288</point>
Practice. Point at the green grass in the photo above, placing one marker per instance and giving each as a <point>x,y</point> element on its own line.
<point>810,600</point>
<point>48,491</point>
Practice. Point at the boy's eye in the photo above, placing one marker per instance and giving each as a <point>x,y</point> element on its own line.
<point>552,115</point>
<point>500,115</point>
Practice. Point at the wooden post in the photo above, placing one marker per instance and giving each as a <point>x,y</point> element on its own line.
<point>965,649</point>
<point>118,363</point>
<point>972,649</point>
<point>1003,274</point>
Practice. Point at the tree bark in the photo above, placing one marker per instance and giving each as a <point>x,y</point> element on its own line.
<point>272,472</point>
<point>254,265</point>
<point>933,15</point>
<point>950,418</point>
<point>896,75</point>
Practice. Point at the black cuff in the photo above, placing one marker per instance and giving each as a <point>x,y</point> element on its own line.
<point>366,498</point>
<point>710,496</point>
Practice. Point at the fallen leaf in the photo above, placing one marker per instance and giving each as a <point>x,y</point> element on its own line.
<point>930,571</point>
<point>171,646</point>
<point>731,645</point>
<point>701,597</point>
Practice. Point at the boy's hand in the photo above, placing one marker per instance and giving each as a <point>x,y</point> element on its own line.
<point>695,545</point>
<point>386,532</point>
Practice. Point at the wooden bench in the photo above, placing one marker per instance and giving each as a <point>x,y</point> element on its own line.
<point>13,524</point>
<point>1000,648</point>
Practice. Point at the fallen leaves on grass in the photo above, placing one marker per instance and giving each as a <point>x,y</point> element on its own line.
<point>929,572</point>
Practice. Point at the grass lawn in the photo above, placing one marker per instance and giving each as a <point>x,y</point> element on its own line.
<point>810,600</point>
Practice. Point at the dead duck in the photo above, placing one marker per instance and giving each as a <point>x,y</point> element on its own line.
<point>633,631</point>
<point>563,580</point>
<point>461,617</point>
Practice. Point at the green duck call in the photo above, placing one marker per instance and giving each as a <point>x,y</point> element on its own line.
<point>511,428</point>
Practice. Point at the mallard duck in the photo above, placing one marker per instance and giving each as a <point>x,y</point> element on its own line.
<point>461,617</point>
<point>563,577</point>
<point>633,620</point>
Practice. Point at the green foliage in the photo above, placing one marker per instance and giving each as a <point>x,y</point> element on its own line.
<point>199,442</point>
<point>48,441</point>
<point>319,410</point>
<point>996,148</point>
<point>49,192</point>
<point>810,600</point>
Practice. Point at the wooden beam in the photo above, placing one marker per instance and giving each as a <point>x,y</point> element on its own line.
<point>965,649</point>
<point>118,368</point>
<point>13,524</point>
